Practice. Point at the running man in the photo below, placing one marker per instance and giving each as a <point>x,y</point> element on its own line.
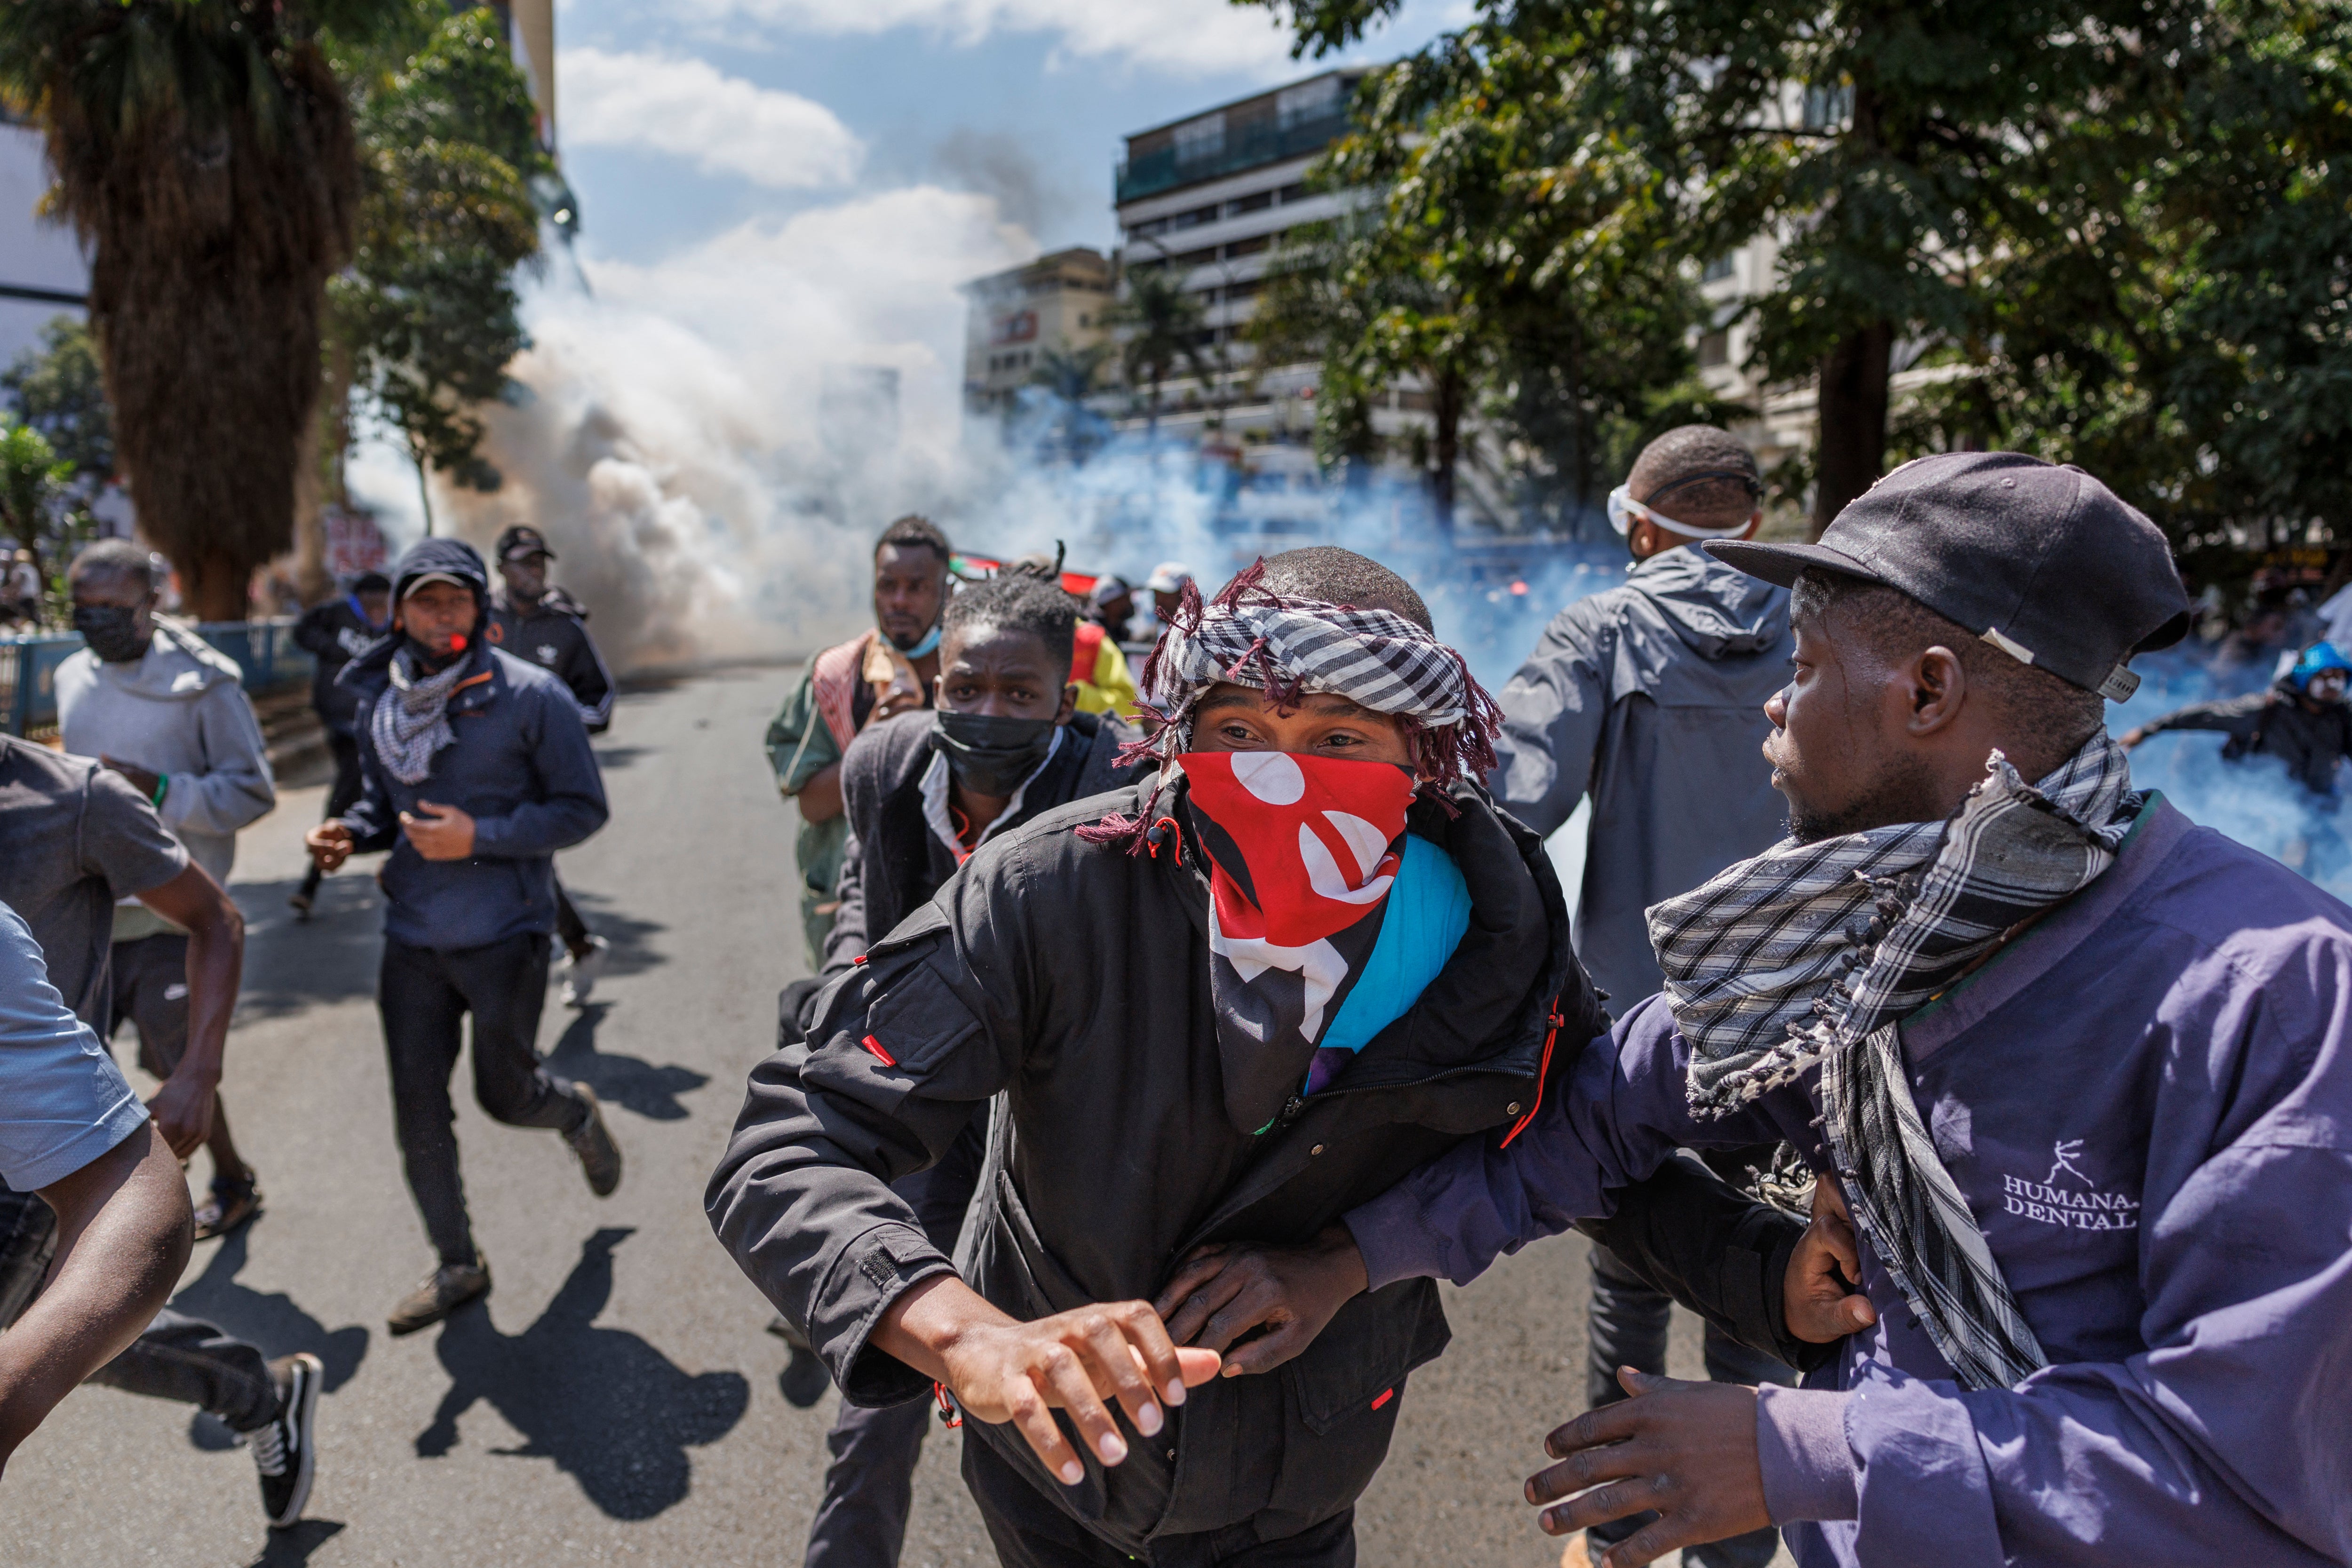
<point>476,770</point>
<point>535,621</point>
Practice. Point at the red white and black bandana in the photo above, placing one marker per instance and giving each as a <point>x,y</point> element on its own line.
<point>1302,851</point>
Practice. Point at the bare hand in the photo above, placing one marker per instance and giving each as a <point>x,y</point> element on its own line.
<point>1074,1361</point>
<point>1686,1449</point>
<point>439,832</point>
<point>141,779</point>
<point>2131,738</point>
<point>330,843</point>
<point>183,1109</point>
<point>1818,1292</point>
<point>1281,1297</point>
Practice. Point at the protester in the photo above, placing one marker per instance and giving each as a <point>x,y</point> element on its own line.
<point>2078,1069</point>
<point>1097,663</point>
<point>874,675</point>
<point>1110,604</point>
<point>2301,718</point>
<point>1650,698</point>
<point>923,792</point>
<point>1167,981</point>
<point>22,593</point>
<point>1166,585</point>
<point>167,711</point>
<point>333,634</point>
<point>74,836</point>
<point>477,769</point>
<point>533,620</point>
<point>71,1131</point>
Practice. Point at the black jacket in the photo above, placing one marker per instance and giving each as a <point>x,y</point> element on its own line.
<point>553,635</point>
<point>894,861</point>
<point>1072,979</point>
<point>334,633</point>
<point>2274,723</point>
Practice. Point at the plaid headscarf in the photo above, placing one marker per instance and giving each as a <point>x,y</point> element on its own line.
<point>1813,953</point>
<point>1252,636</point>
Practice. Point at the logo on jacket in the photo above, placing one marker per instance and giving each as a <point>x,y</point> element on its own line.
<point>2077,1204</point>
<point>546,653</point>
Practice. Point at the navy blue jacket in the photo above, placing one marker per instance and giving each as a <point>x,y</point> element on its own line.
<point>521,766</point>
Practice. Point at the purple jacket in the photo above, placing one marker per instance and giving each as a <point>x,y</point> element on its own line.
<point>2148,1101</point>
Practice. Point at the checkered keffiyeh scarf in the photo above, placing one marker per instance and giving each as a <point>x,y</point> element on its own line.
<point>1813,953</point>
<point>412,718</point>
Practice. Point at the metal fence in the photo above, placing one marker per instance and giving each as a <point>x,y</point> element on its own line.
<point>264,651</point>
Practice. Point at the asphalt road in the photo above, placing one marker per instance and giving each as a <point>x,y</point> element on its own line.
<point>617,1400</point>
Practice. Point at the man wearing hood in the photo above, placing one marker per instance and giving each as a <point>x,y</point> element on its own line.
<point>1650,697</point>
<point>532,618</point>
<point>157,704</point>
<point>886,670</point>
<point>475,770</point>
<point>2302,719</point>
<point>924,793</point>
<point>1242,994</point>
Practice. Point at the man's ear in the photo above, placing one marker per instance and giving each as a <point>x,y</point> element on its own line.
<point>1939,689</point>
<point>1070,708</point>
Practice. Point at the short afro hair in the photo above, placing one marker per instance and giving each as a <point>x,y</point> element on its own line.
<point>1337,577</point>
<point>120,558</point>
<point>2033,705</point>
<point>916,531</point>
<point>1019,603</point>
<point>1698,474</point>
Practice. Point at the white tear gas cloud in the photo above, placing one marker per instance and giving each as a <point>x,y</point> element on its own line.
<point>689,109</point>
<point>1197,36</point>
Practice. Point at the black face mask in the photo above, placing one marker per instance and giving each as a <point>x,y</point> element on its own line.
<point>991,756</point>
<point>112,632</point>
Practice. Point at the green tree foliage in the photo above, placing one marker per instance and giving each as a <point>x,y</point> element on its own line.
<point>34,507</point>
<point>2117,224</point>
<point>202,151</point>
<point>59,390</point>
<point>1159,328</point>
<point>428,313</point>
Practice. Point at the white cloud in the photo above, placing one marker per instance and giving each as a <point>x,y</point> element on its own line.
<point>687,109</point>
<point>1194,36</point>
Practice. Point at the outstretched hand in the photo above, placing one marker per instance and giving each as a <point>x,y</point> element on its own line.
<point>1263,1304</point>
<point>1686,1449</point>
<point>1818,1292</point>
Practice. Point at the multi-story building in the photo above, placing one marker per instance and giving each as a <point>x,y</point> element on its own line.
<point>1051,306</point>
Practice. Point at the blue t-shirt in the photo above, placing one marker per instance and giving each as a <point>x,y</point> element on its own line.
<point>1427,909</point>
<point>63,1102</point>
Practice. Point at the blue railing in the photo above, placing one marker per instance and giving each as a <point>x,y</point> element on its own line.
<point>1266,142</point>
<point>264,650</point>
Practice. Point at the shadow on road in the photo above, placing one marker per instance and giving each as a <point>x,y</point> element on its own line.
<point>291,966</point>
<point>607,1407</point>
<point>632,939</point>
<point>613,759</point>
<point>269,1320</point>
<point>651,1092</point>
<point>292,1547</point>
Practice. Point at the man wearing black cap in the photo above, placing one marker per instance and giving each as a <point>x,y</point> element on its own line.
<point>2079,1071</point>
<point>333,634</point>
<point>476,770</point>
<point>532,619</point>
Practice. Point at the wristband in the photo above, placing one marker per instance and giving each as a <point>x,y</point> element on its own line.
<point>162,783</point>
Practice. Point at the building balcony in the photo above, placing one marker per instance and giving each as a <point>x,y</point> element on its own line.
<point>1242,148</point>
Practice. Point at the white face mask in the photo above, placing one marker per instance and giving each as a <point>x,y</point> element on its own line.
<point>1623,509</point>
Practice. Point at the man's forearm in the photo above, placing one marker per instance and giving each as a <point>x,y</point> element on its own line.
<point>820,798</point>
<point>124,1231</point>
<point>215,970</point>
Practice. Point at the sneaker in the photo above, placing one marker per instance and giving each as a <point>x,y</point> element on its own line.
<point>286,1451</point>
<point>803,1380</point>
<point>300,903</point>
<point>600,1157</point>
<point>580,974</point>
<point>440,1293</point>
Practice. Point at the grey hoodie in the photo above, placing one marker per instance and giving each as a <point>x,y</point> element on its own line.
<point>180,711</point>
<point>1650,697</point>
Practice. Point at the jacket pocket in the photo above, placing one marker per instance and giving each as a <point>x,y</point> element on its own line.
<point>1365,1352</point>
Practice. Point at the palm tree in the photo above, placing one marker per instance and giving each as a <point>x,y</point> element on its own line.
<point>204,153</point>
<point>1160,328</point>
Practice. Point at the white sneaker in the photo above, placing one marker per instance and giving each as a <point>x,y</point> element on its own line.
<point>580,974</point>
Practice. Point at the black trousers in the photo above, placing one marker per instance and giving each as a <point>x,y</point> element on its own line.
<point>341,797</point>
<point>568,923</point>
<point>424,995</point>
<point>1029,1532</point>
<point>1628,1328</point>
<point>869,1487</point>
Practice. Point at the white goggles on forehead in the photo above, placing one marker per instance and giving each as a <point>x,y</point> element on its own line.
<point>1623,509</point>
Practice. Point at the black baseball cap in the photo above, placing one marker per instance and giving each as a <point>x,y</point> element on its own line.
<point>523,540</point>
<point>2039,559</point>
